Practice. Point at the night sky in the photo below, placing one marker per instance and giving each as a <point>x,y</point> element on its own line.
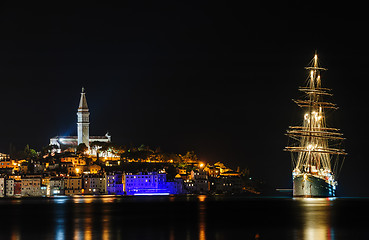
<point>213,77</point>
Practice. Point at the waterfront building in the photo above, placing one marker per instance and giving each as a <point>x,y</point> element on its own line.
<point>45,191</point>
<point>31,187</point>
<point>17,187</point>
<point>45,180</point>
<point>56,186</point>
<point>189,186</point>
<point>150,183</point>
<point>176,186</point>
<point>115,184</point>
<point>9,184</point>
<point>2,186</point>
<point>201,180</point>
<point>198,182</point>
<point>73,186</point>
<point>94,184</point>
<point>83,130</point>
<point>145,183</point>
<point>226,184</point>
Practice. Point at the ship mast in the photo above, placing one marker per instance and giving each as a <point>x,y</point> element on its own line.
<point>314,143</point>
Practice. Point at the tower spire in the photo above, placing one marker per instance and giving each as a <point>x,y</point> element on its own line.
<point>83,120</point>
<point>83,101</point>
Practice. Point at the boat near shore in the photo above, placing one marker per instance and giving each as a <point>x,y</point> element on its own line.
<point>316,149</point>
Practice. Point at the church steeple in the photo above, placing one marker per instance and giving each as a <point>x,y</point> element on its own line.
<point>83,101</point>
<point>83,120</point>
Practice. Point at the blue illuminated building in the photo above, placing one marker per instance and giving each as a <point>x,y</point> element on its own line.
<point>150,183</point>
<point>115,184</point>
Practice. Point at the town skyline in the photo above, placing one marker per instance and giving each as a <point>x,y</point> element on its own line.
<point>217,81</point>
<point>171,119</point>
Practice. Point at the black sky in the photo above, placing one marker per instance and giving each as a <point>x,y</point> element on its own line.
<point>214,77</point>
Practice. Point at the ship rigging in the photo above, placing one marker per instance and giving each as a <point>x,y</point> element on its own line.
<point>316,150</point>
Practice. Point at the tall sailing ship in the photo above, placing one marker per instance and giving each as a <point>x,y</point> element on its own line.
<point>316,149</point>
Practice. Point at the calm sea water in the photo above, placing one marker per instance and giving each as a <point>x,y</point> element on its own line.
<point>194,217</point>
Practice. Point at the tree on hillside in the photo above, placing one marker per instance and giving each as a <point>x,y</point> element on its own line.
<point>96,146</point>
<point>30,153</point>
<point>81,149</point>
<point>190,157</point>
<point>48,149</point>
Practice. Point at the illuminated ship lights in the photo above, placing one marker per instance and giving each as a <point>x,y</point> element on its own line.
<point>316,149</point>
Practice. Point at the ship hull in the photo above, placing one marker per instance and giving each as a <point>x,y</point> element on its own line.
<point>307,185</point>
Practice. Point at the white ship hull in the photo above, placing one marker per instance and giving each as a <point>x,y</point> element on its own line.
<point>308,185</point>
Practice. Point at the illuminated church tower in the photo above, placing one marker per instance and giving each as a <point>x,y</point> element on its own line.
<point>83,122</point>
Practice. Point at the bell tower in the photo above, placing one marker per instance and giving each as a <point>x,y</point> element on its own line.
<point>83,120</point>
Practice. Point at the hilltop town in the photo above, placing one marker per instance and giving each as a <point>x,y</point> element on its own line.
<point>117,171</point>
<point>94,165</point>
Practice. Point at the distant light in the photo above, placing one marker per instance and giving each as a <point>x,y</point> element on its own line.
<point>151,194</point>
<point>310,147</point>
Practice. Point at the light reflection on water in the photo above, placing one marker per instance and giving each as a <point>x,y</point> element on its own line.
<point>316,219</point>
<point>59,220</point>
<point>202,217</point>
<point>180,218</point>
<point>77,234</point>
